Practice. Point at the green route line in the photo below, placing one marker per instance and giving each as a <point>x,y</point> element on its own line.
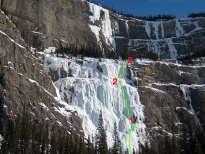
<point>125,100</point>
<point>122,74</point>
<point>127,107</point>
<point>130,131</point>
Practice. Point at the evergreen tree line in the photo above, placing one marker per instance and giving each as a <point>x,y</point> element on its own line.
<point>151,55</point>
<point>110,8</point>
<point>33,137</point>
<point>26,137</point>
<point>194,15</point>
<point>74,50</point>
<point>147,54</point>
<point>186,143</point>
<point>150,17</point>
<point>188,58</point>
<point>96,52</point>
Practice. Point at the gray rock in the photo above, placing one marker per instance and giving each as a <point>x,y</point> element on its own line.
<point>43,25</point>
<point>66,22</point>
<point>23,82</point>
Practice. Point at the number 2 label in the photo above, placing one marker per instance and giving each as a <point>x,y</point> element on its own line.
<point>114,81</point>
<point>129,60</point>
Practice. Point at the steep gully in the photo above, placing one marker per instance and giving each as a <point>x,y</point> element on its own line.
<point>132,119</point>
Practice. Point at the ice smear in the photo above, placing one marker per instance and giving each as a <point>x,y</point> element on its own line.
<point>117,31</point>
<point>106,23</point>
<point>147,28</point>
<point>156,27</point>
<point>127,28</point>
<point>186,92</point>
<point>172,49</point>
<point>178,29</point>
<point>95,30</point>
<point>162,29</point>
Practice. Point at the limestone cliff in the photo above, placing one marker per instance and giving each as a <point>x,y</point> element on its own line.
<point>43,24</point>
<point>23,82</point>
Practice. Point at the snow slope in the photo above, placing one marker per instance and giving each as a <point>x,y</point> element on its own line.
<point>93,91</point>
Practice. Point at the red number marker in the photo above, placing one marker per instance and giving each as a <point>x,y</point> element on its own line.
<point>114,81</point>
<point>131,120</point>
<point>129,60</point>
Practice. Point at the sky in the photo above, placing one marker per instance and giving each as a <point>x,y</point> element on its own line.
<point>179,8</point>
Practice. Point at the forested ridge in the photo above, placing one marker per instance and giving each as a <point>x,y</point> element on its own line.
<point>30,137</point>
<point>188,59</point>
<point>194,15</point>
<point>74,50</point>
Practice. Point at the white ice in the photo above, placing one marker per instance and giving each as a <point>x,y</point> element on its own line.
<point>97,93</point>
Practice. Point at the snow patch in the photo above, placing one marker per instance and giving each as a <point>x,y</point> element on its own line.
<point>154,89</point>
<point>50,50</point>
<point>178,108</point>
<point>37,32</point>
<point>44,106</point>
<point>179,72</point>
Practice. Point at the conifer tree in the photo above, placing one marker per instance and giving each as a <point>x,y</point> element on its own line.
<point>116,148</point>
<point>89,147</point>
<point>75,146</point>
<point>95,140</point>
<point>71,144</point>
<point>66,145</point>
<point>103,148</point>
<point>81,146</point>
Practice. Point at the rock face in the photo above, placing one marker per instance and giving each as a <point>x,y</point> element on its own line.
<point>55,23</point>
<point>23,82</point>
<point>170,39</point>
<point>45,24</point>
<point>171,94</point>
